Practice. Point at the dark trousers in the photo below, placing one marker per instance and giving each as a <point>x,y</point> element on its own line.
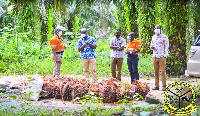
<point>133,68</point>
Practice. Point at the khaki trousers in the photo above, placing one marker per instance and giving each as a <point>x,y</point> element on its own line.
<point>159,63</point>
<point>116,62</point>
<point>56,71</point>
<point>92,62</point>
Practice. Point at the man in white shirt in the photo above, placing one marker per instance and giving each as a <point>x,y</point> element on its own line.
<point>117,44</point>
<point>160,47</point>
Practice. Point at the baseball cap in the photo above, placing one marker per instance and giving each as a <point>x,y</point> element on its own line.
<point>59,28</point>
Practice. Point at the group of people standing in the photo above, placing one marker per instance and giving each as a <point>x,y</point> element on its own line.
<point>86,45</point>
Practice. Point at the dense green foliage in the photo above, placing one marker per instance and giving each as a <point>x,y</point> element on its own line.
<point>26,26</point>
<point>31,23</point>
<point>146,23</point>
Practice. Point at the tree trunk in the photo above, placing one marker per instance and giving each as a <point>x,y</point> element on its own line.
<point>146,23</point>
<point>175,19</point>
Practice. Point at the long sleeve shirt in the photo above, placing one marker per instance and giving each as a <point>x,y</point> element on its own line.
<point>161,44</point>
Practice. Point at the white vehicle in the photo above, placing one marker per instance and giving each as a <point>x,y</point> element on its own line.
<point>193,64</point>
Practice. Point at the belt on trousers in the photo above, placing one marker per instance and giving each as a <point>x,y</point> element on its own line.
<point>133,56</point>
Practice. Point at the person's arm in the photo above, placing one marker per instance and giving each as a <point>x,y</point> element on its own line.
<point>113,47</point>
<point>65,47</point>
<point>127,52</point>
<point>91,45</point>
<point>138,47</point>
<point>132,52</point>
<point>53,47</point>
<point>123,45</point>
<point>151,46</point>
<point>82,47</point>
<point>54,53</point>
<point>166,46</point>
<point>121,48</point>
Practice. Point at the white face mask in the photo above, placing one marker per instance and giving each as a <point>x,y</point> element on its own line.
<point>83,35</point>
<point>157,31</point>
<point>128,38</point>
<point>59,33</point>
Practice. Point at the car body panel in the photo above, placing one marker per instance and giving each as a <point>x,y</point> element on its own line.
<point>193,64</point>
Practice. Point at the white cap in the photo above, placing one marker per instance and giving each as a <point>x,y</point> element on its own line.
<point>59,28</point>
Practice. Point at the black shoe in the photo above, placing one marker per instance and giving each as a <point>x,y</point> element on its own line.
<point>163,88</point>
<point>155,88</point>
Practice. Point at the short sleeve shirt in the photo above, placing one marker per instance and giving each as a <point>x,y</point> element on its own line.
<point>117,42</point>
<point>133,46</point>
<point>56,43</point>
<point>88,51</point>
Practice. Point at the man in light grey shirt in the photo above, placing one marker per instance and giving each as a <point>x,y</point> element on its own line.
<point>117,44</point>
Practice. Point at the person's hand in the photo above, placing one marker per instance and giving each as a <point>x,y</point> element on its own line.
<point>119,48</point>
<point>87,43</point>
<point>127,52</point>
<point>166,54</point>
<point>65,47</point>
<point>58,61</point>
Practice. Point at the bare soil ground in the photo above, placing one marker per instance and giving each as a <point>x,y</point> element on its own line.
<point>57,103</point>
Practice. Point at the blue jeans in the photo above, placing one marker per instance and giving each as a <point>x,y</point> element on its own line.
<point>133,68</point>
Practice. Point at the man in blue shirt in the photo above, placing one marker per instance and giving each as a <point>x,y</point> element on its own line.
<point>86,45</point>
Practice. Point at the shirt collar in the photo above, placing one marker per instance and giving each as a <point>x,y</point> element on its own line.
<point>158,35</point>
<point>118,39</point>
<point>85,38</point>
<point>57,37</point>
<point>134,40</point>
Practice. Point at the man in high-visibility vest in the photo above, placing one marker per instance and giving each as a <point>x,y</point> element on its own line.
<point>133,48</point>
<point>57,50</point>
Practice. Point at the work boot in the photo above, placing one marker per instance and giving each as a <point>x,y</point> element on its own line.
<point>155,88</point>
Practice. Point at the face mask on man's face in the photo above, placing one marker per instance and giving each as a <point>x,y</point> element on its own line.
<point>59,33</point>
<point>157,31</point>
<point>83,35</point>
<point>128,38</point>
<point>117,36</point>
